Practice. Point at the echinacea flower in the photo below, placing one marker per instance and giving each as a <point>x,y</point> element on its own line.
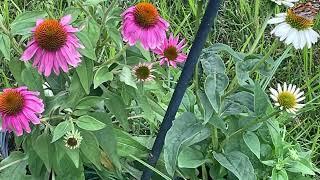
<point>143,72</point>
<point>288,97</point>
<point>288,3</point>
<point>143,23</point>
<point>73,139</point>
<point>18,107</point>
<point>294,28</point>
<point>170,51</point>
<point>53,46</point>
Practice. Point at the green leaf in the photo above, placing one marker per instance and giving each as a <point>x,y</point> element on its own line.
<point>238,163</point>
<point>190,158</point>
<point>106,137</point>
<point>73,11</point>
<point>76,92</point>
<point>212,63</point>
<point>85,73</point>
<point>14,166</point>
<point>214,87</point>
<point>25,21</point>
<point>89,123</point>
<point>118,108</point>
<point>89,102</point>
<point>93,2</point>
<point>31,78</point>
<point>90,148</point>
<point>218,122</point>
<point>252,141</point>
<point>42,148</point>
<point>92,29</point>
<point>279,175</point>
<point>126,77</point>
<point>61,130</point>
<point>184,130</point>
<point>127,146</point>
<point>299,167</point>
<point>5,46</point>
<point>16,67</point>
<point>261,100</point>
<point>74,156</point>
<point>102,75</point>
<point>88,51</point>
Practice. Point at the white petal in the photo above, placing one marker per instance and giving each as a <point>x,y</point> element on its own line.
<point>274,92</point>
<point>276,104</point>
<point>308,39</point>
<point>276,20</point>
<point>291,37</point>
<point>290,87</point>
<point>293,88</point>
<point>279,88</point>
<point>301,99</point>
<point>302,39</point>
<point>274,98</point>
<point>285,87</point>
<point>300,94</point>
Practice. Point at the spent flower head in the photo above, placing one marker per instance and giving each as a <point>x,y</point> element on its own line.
<point>143,72</point>
<point>73,139</point>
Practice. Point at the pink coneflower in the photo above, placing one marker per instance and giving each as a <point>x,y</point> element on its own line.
<point>143,23</point>
<point>19,106</point>
<point>143,72</point>
<point>171,51</point>
<point>53,46</point>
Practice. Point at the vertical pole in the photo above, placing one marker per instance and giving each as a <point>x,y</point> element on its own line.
<point>186,76</point>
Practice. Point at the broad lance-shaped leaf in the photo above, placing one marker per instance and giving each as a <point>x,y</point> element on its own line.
<point>5,46</point>
<point>252,141</point>
<point>107,138</point>
<point>190,158</point>
<point>126,77</point>
<point>102,75</point>
<point>43,148</point>
<point>238,163</point>
<point>214,86</point>
<point>90,148</point>
<point>261,100</point>
<point>89,123</point>
<point>186,130</point>
<point>85,73</point>
<point>25,21</point>
<point>61,130</point>
<point>17,169</point>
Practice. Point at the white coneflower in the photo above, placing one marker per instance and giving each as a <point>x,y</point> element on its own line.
<point>73,139</point>
<point>295,27</point>
<point>288,97</point>
<point>143,72</point>
<point>288,3</point>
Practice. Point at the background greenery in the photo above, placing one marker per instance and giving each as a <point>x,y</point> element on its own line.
<point>240,24</point>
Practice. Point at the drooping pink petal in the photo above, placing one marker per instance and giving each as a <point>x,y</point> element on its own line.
<point>65,20</point>
<point>29,52</point>
<point>53,59</point>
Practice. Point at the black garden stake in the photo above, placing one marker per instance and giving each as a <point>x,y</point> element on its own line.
<point>186,75</point>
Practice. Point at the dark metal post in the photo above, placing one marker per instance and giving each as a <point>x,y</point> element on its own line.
<point>186,75</point>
